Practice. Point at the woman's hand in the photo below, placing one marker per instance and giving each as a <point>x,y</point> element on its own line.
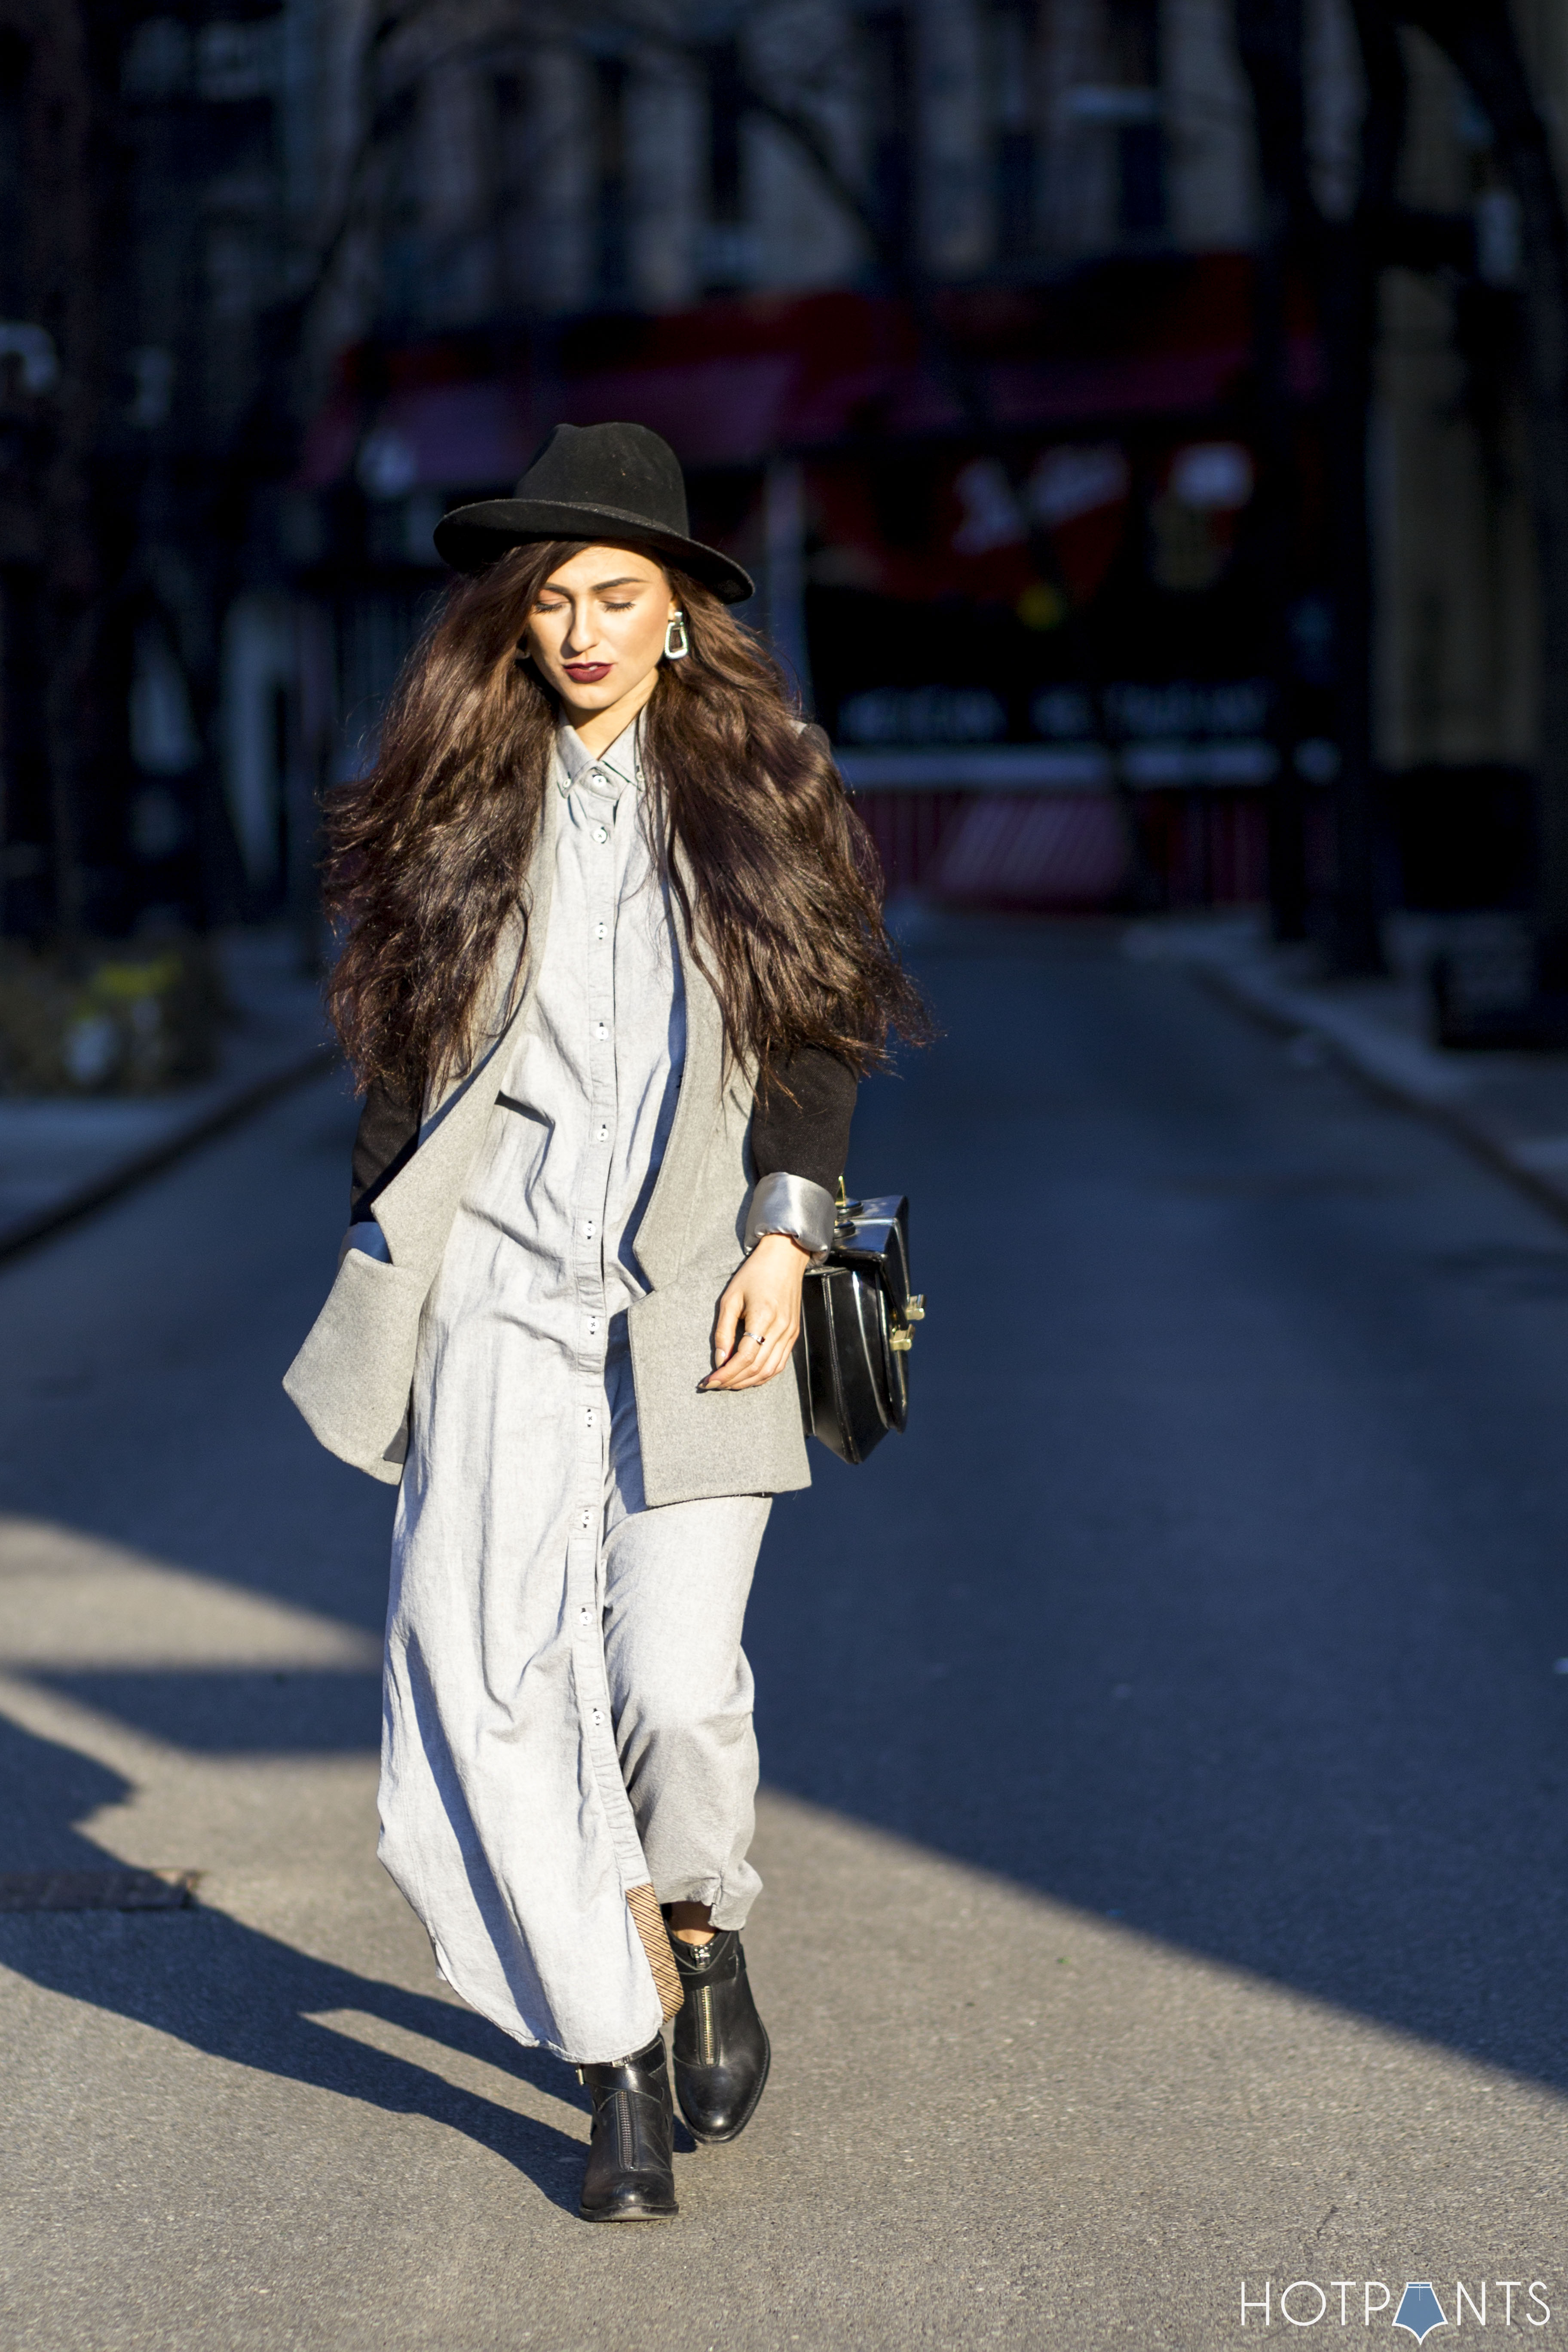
<point>761,1305</point>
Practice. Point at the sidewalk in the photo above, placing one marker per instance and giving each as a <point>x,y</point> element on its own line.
<point>1511,1108</point>
<point>60,1157</point>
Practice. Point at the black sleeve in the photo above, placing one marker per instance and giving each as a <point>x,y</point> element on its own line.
<point>384,1141</point>
<point>810,1135</point>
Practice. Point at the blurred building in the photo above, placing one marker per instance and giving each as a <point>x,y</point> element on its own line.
<point>947,308</point>
<point>1458,645</point>
<point>50,371</point>
<point>154,164</point>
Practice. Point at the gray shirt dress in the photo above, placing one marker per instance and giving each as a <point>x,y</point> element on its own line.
<point>568,1710</point>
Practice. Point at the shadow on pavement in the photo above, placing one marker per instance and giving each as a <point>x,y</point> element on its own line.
<point>242,1711</point>
<point>238,1995</point>
<point>1216,1587</point>
<point>1217,1583</point>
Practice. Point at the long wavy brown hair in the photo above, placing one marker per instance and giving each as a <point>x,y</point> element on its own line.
<point>776,878</point>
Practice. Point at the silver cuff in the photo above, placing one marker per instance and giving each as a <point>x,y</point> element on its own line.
<point>368,1239</point>
<point>792,1205</point>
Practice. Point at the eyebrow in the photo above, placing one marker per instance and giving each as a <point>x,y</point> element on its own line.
<point>626,579</point>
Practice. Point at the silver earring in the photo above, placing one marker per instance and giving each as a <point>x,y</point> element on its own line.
<point>677,643</point>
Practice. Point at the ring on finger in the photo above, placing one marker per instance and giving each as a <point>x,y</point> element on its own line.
<point>760,1338</point>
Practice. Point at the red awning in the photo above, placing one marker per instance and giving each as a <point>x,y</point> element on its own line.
<point>735,382</point>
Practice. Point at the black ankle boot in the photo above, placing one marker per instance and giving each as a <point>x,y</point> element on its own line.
<point>630,2177</point>
<point>722,2052</point>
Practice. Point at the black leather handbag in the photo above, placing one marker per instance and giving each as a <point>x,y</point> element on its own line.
<point>852,1358</point>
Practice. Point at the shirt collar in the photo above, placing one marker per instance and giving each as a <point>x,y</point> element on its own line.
<point>620,762</point>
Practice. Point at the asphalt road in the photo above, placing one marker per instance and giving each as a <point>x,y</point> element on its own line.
<point>1165,1761</point>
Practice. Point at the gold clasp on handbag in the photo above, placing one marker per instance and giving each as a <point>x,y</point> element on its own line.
<point>843,1218</point>
<point>901,1338</point>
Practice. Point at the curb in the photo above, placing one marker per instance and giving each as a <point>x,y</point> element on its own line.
<point>1399,1069</point>
<point>71,1208</point>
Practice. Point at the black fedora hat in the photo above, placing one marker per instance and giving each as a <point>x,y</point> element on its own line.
<point>611,482</point>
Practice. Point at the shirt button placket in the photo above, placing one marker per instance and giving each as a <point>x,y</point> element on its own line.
<point>599,864</point>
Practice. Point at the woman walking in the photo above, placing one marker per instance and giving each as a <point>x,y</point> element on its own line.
<point>613,959</point>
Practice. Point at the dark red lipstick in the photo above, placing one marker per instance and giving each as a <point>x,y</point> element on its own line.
<point>586,673</point>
